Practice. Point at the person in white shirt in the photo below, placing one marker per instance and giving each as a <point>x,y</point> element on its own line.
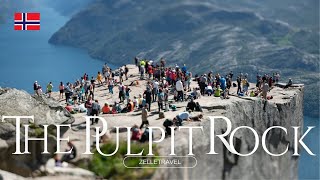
<point>179,88</point>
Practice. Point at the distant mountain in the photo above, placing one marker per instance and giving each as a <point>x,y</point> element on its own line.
<point>206,35</point>
<point>67,7</point>
<point>8,7</point>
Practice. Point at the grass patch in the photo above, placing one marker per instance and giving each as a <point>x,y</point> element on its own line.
<point>113,168</point>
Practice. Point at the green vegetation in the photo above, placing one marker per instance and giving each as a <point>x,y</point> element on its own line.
<point>113,168</point>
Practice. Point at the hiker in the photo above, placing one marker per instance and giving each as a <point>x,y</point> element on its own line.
<point>81,93</point>
<point>217,92</point>
<point>70,156</point>
<point>167,124</point>
<point>121,73</point>
<point>61,90</point>
<point>106,109</point>
<point>95,111</point>
<point>179,88</point>
<point>121,92</point>
<point>99,78</point>
<point>155,90</point>
<point>49,89</point>
<point>289,83</point>
<point>160,99</point>
<point>265,89</point>
<point>127,93</point>
<point>130,106</point>
<point>145,135</point>
<point>144,116</point>
<point>239,85</point>
<point>35,88</point>
<point>136,133</point>
<point>184,116</point>
<point>191,106</point>
<point>209,90</point>
<point>136,59</point>
<point>245,85</point>
<point>126,71</point>
<point>68,92</point>
<point>88,105</point>
<point>110,86</point>
<point>148,98</point>
<point>91,90</point>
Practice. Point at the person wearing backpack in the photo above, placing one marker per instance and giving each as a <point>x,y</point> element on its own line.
<point>144,116</point>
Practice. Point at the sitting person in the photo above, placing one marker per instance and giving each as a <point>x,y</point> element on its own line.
<point>69,108</point>
<point>289,83</point>
<point>106,109</point>
<point>145,135</point>
<point>130,106</point>
<point>209,90</point>
<point>70,156</point>
<point>217,92</point>
<point>167,124</point>
<point>136,133</point>
<point>191,105</point>
<point>225,94</point>
<point>198,108</point>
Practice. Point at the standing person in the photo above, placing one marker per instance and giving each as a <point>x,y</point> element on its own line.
<point>61,89</point>
<point>126,71</point>
<point>93,83</point>
<point>179,88</point>
<point>99,78</point>
<point>148,95</point>
<point>68,92</point>
<point>96,109</point>
<point>110,86</point>
<point>91,90</point>
<point>144,116</point>
<point>35,88</point>
<point>239,90</point>
<point>136,60</point>
<point>121,92</point>
<point>121,75</point>
<point>49,89</point>
<point>128,90</point>
<point>265,89</point>
<point>155,90</point>
<point>160,99</point>
<point>88,105</point>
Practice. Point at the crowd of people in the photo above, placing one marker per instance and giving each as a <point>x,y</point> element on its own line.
<point>162,83</point>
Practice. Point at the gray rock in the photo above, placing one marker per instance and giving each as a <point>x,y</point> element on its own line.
<point>45,111</point>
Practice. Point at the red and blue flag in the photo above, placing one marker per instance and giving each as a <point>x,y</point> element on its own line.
<point>27,21</point>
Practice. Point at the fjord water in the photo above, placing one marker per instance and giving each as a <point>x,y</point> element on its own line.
<point>26,56</point>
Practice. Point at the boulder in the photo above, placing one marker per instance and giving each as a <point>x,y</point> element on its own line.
<point>46,111</point>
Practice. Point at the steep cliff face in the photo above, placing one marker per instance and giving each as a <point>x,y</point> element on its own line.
<point>286,110</point>
<point>45,111</point>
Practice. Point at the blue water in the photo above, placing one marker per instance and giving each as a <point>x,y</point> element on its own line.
<point>26,56</point>
<point>309,165</point>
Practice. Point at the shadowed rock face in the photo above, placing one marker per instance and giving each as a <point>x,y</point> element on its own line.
<point>284,111</point>
<point>45,111</point>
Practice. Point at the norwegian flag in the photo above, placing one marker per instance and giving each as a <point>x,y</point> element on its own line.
<point>26,21</point>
